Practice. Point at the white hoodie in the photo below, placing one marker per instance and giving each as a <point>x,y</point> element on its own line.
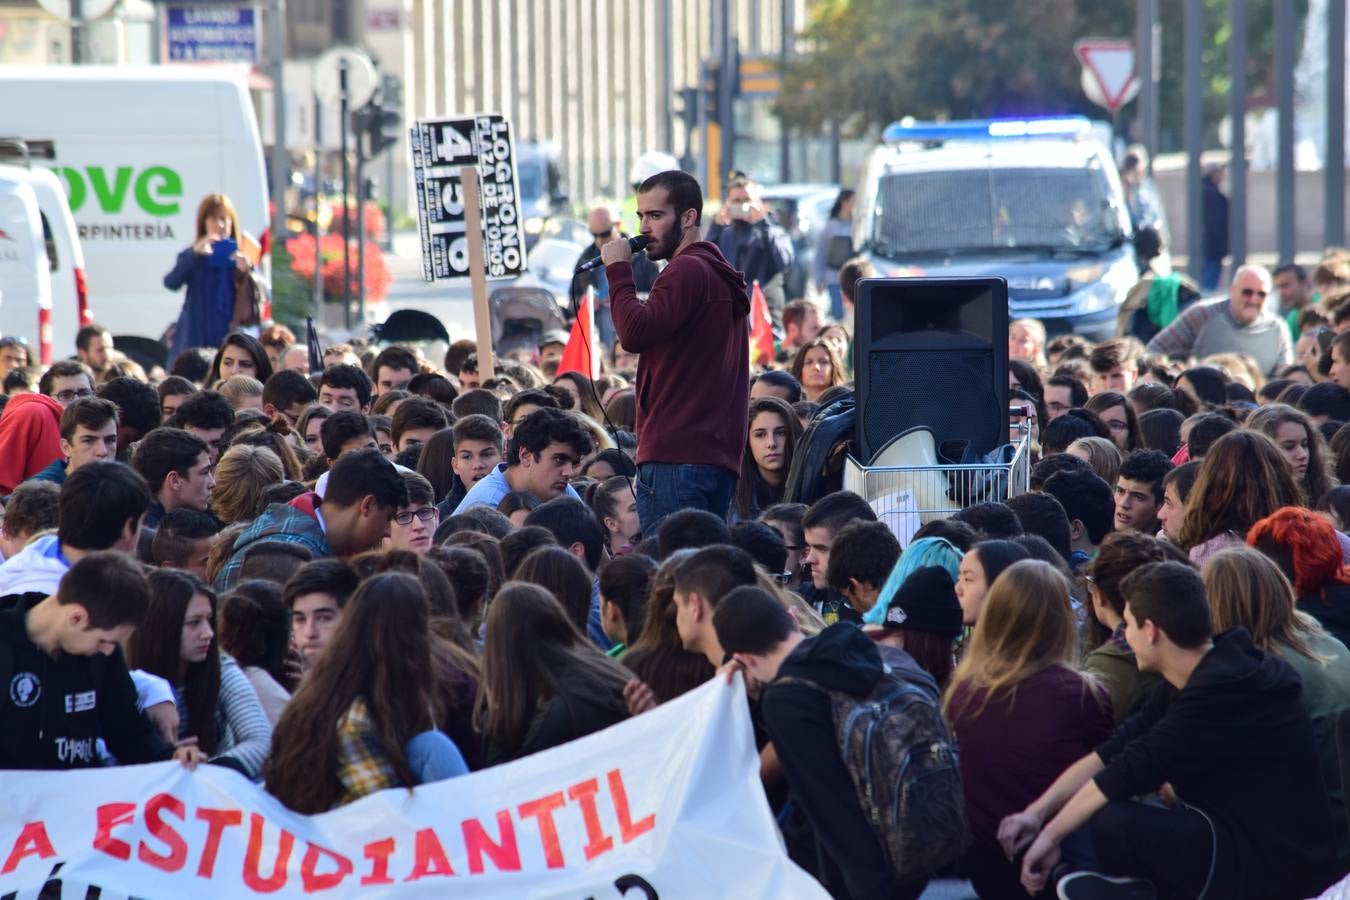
<point>36,569</point>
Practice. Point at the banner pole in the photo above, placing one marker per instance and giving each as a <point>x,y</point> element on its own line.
<point>473,223</point>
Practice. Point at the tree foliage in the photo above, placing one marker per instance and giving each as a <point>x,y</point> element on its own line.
<point>955,58</point>
<point>882,60</point>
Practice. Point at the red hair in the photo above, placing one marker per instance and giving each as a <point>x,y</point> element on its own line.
<point>1312,543</point>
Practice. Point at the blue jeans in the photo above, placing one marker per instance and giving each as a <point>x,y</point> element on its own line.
<point>836,301</point>
<point>665,488</point>
<point>434,757</point>
<point>1210,272</point>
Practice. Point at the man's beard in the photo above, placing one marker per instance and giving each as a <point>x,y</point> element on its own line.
<point>665,249</point>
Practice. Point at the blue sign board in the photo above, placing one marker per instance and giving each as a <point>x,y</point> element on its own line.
<point>202,33</point>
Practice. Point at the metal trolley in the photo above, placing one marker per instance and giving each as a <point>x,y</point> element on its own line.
<point>906,497</point>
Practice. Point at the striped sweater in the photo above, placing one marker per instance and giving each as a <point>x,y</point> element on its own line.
<point>245,733</point>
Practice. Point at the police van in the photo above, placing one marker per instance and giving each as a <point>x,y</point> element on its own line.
<point>1037,201</point>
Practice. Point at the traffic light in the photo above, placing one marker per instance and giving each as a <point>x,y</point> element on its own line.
<point>383,117</point>
<point>712,88</point>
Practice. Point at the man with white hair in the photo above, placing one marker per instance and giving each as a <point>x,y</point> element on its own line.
<point>1238,323</point>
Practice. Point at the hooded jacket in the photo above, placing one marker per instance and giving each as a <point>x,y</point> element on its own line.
<point>30,438</point>
<point>55,708</point>
<point>693,378</point>
<point>800,723</point>
<point>1236,743</point>
<point>287,523</point>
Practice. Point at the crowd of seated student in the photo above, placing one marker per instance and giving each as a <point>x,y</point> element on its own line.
<point>1162,616</point>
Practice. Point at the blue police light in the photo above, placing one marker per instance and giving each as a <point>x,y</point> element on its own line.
<point>984,129</point>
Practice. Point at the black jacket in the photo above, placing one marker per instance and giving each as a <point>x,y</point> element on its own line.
<point>54,709</point>
<point>1237,744</point>
<point>830,604</point>
<point>801,725</point>
<point>759,251</point>
<point>581,707</point>
<point>644,274</point>
<point>1330,606</point>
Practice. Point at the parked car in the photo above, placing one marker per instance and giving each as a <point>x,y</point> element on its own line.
<point>801,209</point>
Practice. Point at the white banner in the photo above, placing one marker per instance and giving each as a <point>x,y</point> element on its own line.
<point>665,805</point>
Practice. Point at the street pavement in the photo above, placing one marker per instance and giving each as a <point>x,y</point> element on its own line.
<point>449,301</point>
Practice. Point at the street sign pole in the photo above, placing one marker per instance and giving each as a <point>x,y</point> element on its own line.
<point>318,187</point>
<point>281,159</point>
<point>1193,130</point>
<point>346,186</point>
<point>1146,111</point>
<point>1333,167</point>
<point>390,193</point>
<point>360,217</point>
<point>1285,59</point>
<point>78,31</point>
<point>482,316</point>
<point>1237,116</point>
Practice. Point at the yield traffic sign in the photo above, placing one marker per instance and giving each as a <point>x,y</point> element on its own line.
<point>1109,78</point>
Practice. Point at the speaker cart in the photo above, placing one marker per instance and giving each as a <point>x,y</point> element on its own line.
<point>909,485</point>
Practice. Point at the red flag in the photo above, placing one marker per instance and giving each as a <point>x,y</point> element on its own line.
<point>761,328</point>
<point>580,353</point>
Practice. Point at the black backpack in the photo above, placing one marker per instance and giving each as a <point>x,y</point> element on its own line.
<point>818,462</point>
<point>905,767</point>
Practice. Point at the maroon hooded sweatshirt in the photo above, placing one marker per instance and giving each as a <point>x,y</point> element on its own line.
<point>693,377</point>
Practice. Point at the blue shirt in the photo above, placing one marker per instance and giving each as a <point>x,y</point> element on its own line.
<point>55,473</point>
<point>594,627</point>
<point>491,490</point>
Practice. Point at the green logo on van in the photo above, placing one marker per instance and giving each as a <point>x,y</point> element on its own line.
<point>157,190</point>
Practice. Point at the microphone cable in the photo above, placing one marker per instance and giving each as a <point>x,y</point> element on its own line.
<point>604,413</point>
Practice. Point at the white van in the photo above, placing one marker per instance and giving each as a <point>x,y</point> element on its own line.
<point>137,148</point>
<point>65,256</point>
<point>25,272</point>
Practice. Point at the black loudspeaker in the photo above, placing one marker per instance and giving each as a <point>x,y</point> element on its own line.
<point>931,352</point>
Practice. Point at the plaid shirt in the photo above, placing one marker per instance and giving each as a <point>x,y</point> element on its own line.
<point>281,523</point>
<point>362,766</point>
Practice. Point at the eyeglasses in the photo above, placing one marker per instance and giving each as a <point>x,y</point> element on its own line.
<point>426,514</point>
<point>68,396</point>
<point>1253,292</point>
<point>602,234</point>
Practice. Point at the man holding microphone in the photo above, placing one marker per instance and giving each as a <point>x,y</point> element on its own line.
<point>693,337</point>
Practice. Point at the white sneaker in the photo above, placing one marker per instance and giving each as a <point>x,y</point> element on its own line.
<point>1095,886</point>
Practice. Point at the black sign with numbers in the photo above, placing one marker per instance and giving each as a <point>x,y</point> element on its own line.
<point>439,148</point>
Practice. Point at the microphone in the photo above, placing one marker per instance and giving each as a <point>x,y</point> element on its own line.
<point>637,242</point>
